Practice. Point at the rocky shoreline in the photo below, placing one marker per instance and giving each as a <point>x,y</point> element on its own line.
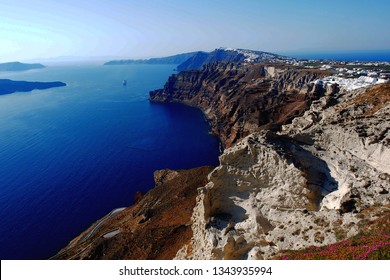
<point>304,162</point>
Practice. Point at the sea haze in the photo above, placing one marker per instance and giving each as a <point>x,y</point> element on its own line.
<point>70,155</point>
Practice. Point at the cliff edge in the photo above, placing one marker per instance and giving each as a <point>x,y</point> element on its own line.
<point>240,99</point>
<point>304,160</point>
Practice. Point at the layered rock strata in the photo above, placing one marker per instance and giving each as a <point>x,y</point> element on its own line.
<point>240,99</point>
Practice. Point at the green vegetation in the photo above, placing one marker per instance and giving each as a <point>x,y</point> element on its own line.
<point>314,64</point>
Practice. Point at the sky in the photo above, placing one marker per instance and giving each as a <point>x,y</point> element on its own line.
<point>31,29</point>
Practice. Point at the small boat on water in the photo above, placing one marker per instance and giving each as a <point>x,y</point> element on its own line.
<point>124,82</point>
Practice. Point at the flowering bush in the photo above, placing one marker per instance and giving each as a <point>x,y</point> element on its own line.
<point>372,243</point>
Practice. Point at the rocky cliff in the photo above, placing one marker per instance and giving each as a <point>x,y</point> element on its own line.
<point>306,164</point>
<point>239,99</point>
<point>317,181</point>
<point>304,160</point>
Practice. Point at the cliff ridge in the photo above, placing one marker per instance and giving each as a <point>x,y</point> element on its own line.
<point>240,99</point>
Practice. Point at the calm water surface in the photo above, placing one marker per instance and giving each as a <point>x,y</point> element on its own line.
<point>70,155</point>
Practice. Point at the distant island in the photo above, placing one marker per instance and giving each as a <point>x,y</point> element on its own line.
<point>174,59</point>
<point>196,60</point>
<point>200,59</point>
<point>9,86</point>
<point>18,66</point>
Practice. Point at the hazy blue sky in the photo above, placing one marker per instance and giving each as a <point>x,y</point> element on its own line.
<point>137,28</point>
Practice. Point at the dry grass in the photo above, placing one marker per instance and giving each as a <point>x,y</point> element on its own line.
<point>377,97</point>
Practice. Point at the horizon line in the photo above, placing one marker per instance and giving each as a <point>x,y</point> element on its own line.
<point>76,58</point>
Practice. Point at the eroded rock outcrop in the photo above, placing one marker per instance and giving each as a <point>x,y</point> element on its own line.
<point>305,185</point>
<point>353,138</point>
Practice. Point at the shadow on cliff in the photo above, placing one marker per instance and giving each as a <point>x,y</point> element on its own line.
<point>316,171</point>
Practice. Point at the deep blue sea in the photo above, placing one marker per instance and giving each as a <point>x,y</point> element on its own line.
<point>70,155</point>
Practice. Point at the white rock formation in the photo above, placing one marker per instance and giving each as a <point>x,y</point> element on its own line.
<point>302,187</point>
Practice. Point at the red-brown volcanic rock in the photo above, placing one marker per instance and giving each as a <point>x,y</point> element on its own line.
<point>155,227</point>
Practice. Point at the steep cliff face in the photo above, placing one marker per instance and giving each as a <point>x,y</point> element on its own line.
<point>193,63</point>
<point>309,184</point>
<point>239,99</point>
